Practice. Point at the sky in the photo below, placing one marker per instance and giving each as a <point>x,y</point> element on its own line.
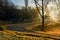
<point>22,3</point>
<point>18,2</point>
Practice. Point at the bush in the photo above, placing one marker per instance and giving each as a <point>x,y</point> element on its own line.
<point>3,28</point>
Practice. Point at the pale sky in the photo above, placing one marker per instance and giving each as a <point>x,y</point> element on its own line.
<point>21,2</point>
<point>18,2</point>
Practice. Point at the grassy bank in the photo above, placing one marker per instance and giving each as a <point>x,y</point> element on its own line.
<point>10,35</point>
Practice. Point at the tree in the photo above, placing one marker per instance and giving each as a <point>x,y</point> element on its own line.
<point>42,15</point>
<point>44,7</point>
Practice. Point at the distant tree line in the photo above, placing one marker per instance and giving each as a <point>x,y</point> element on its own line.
<point>9,12</point>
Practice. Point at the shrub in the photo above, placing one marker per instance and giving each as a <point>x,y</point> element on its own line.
<point>3,27</point>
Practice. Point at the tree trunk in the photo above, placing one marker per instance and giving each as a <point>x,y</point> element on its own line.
<point>42,16</point>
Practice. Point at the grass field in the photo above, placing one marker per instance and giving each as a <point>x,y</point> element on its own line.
<point>30,31</point>
<point>11,35</point>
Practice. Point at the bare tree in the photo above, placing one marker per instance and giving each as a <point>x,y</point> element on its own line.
<point>43,8</point>
<point>42,15</point>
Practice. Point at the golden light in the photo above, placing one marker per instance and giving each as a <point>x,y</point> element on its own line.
<point>53,11</point>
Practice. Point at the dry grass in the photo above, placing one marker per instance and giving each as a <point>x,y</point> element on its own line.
<point>11,35</point>
<point>53,30</point>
